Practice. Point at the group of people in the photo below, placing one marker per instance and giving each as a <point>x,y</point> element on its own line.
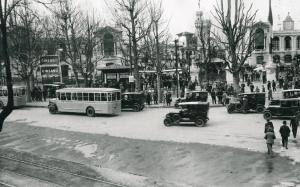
<point>152,97</point>
<point>284,132</point>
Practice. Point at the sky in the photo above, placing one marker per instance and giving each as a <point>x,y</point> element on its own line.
<point>181,13</point>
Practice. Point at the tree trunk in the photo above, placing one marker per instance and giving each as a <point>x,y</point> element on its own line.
<point>28,90</point>
<point>10,103</point>
<point>159,98</point>
<point>76,78</point>
<point>236,82</point>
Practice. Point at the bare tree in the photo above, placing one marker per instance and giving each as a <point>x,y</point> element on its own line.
<point>132,16</point>
<point>237,35</point>
<point>26,43</point>
<point>6,8</point>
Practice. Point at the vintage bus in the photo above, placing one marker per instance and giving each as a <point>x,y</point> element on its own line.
<point>91,101</point>
<point>292,93</point>
<point>20,96</point>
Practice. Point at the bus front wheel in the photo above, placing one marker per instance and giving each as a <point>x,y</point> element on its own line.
<point>52,109</point>
<point>90,111</point>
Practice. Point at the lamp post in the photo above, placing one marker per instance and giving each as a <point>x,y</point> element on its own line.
<point>176,66</point>
<point>59,64</point>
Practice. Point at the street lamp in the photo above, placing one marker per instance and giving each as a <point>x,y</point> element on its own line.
<point>176,65</point>
<point>59,50</point>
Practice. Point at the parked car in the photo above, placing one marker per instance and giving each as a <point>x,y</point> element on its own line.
<point>133,100</point>
<point>192,96</point>
<point>246,102</point>
<point>285,108</point>
<point>191,112</point>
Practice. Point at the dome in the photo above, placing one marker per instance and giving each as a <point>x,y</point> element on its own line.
<point>288,18</point>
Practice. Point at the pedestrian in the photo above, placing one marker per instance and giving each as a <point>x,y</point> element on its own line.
<point>257,89</point>
<point>148,98</point>
<point>213,96</point>
<point>285,133</point>
<point>224,97</point>
<point>251,87</point>
<point>274,85</point>
<point>245,104</point>
<point>270,95</point>
<point>263,89</point>
<point>270,137</point>
<point>155,97</point>
<point>269,85</point>
<point>269,125</point>
<point>169,98</point>
<point>294,124</point>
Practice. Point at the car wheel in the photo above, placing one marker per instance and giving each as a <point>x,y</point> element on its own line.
<point>167,122</point>
<point>267,115</point>
<point>176,105</point>
<point>230,109</point>
<point>136,108</point>
<point>238,106</point>
<point>200,122</point>
<point>52,109</point>
<point>1,105</point>
<point>90,112</point>
<point>260,109</point>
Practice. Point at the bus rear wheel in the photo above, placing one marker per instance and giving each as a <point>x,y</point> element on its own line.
<point>90,112</point>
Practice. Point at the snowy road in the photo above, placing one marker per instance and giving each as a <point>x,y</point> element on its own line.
<point>235,130</point>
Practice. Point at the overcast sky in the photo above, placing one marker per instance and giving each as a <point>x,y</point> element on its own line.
<point>182,12</point>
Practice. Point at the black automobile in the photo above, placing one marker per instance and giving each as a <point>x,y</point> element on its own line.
<point>247,102</point>
<point>285,108</point>
<point>200,96</point>
<point>191,112</point>
<point>133,100</point>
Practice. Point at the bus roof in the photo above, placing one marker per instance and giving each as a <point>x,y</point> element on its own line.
<point>291,90</point>
<point>88,90</point>
<point>14,87</point>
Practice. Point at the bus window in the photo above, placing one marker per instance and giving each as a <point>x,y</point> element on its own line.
<point>118,96</point>
<point>63,96</point>
<point>79,96</point>
<point>58,95</point>
<point>68,96</point>
<point>23,92</point>
<point>109,96</point>
<point>91,97</point>
<point>1,92</point>
<point>103,97</point>
<point>74,96</point>
<point>85,96</point>
<point>97,97</point>
<point>4,92</point>
<point>114,96</point>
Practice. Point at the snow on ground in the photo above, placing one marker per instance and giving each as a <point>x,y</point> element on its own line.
<point>235,130</point>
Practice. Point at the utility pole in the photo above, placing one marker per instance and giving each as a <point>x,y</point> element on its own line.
<point>176,65</point>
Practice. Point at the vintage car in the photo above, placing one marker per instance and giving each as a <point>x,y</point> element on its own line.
<point>133,100</point>
<point>246,102</point>
<point>285,108</point>
<point>192,96</point>
<point>191,112</point>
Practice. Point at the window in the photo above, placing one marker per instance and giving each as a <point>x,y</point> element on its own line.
<point>58,95</point>
<point>97,97</point>
<point>275,43</point>
<point>276,59</point>
<point>259,59</point>
<point>288,58</point>
<point>114,96</point>
<point>259,39</point>
<point>286,104</point>
<point>118,96</point>
<point>63,96</point>
<point>288,43</point>
<point>23,92</point>
<point>109,96</point>
<point>68,96</point>
<point>298,42</point>
<point>79,96</point>
<point>4,92</point>
<point>103,97</point>
<point>91,97</point>
<point>1,92</point>
<point>85,96</point>
<point>74,96</point>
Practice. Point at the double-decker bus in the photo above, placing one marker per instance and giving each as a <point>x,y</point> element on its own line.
<point>91,101</point>
<point>20,96</point>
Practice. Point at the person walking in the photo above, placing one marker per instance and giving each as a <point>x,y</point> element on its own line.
<point>155,98</point>
<point>270,137</point>
<point>294,124</point>
<point>148,98</point>
<point>274,85</point>
<point>224,97</point>
<point>251,87</point>
<point>213,96</point>
<point>269,125</point>
<point>285,133</point>
<point>257,89</point>
<point>169,98</point>
<point>269,85</point>
<point>270,94</point>
<point>263,89</point>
